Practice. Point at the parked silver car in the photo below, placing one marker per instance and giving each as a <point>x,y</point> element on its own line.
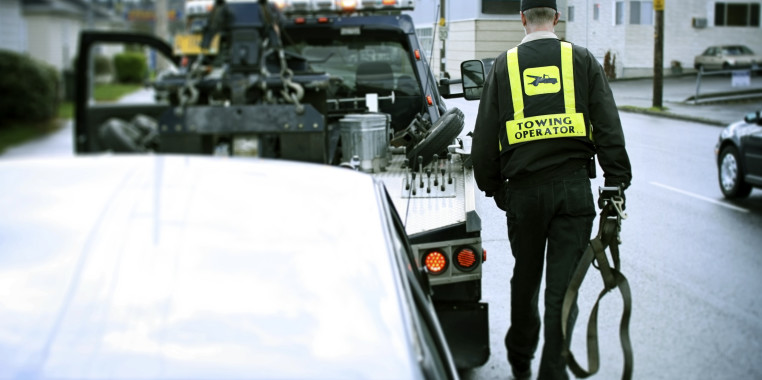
<point>739,157</point>
<point>726,57</point>
<point>176,267</point>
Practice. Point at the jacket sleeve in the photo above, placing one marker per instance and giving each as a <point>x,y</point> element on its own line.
<point>485,151</point>
<point>607,128</point>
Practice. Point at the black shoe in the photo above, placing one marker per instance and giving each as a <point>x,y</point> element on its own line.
<point>521,373</point>
<point>521,370</point>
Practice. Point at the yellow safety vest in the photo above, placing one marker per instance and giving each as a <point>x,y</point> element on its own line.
<point>537,81</point>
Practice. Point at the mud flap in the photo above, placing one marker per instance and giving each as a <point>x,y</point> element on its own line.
<point>466,327</point>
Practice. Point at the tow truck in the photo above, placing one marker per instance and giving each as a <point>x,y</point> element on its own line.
<point>542,79</point>
<point>187,44</point>
<point>337,83</point>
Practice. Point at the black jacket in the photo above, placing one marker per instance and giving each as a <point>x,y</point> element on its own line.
<point>544,158</point>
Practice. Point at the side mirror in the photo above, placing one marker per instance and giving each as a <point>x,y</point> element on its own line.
<point>472,72</point>
<point>753,118</point>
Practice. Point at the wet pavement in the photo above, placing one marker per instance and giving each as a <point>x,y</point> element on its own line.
<point>719,102</point>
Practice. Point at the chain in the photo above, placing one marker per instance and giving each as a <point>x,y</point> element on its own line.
<point>292,92</point>
<point>188,94</point>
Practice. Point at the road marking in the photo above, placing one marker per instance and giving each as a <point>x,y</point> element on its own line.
<point>710,200</point>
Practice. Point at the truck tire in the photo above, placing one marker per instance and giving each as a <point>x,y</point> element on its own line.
<point>441,135</point>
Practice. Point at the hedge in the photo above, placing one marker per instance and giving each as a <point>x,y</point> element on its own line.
<point>130,67</point>
<point>29,88</point>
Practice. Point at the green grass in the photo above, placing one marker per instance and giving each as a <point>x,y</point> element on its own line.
<point>643,109</point>
<point>112,92</point>
<point>66,110</point>
<point>17,132</point>
<point>20,132</point>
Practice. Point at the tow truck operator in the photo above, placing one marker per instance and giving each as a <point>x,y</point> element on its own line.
<point>533,148</point>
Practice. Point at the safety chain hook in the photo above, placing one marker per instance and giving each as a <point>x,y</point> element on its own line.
<point>618,203</point>
<point>188,94</point>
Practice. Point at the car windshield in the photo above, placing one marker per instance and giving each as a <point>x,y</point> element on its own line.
<point>737,50</point>
<point>359,60</point>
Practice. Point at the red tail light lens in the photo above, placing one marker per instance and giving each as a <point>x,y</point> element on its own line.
<point>466,259</point>
<point>435,261</point>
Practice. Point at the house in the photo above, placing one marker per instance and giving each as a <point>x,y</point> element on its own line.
<point>625,29</point>
<point>12,26</point>
<point>48,30</point>
<point>473,29</point>
<point>622,28</point>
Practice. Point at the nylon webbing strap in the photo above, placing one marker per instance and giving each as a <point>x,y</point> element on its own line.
<point>612,278</point>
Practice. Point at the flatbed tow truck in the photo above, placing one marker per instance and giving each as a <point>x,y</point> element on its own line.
<point>338,83</point>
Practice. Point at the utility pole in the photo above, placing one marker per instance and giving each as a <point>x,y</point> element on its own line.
<point>658,53</point>
<point>442,38</point>
<point>161,28</point>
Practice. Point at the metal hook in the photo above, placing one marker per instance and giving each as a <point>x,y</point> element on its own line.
<point>618,202</point>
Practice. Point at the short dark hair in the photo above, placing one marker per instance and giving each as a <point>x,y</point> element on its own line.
<point>539,16</point>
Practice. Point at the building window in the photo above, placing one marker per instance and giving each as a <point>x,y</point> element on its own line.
<point>501,7</point>
<point>736,14</point>
<point>619,13</point>
<point>641,13</point>
<point>596,11</point>
<point>570,17</point>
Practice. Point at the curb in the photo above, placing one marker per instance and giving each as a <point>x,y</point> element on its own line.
<point>644,111</point>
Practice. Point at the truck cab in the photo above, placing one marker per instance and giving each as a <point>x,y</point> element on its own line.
<point>317,81</point>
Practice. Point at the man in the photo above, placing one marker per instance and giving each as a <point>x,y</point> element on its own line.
<point>546,110</point>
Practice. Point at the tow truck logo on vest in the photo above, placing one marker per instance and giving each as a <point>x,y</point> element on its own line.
<point>542,80</point>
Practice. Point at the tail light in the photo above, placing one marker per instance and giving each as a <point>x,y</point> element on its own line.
<point>435,261</point>
<point>466,259</point>
<point>348,5</point>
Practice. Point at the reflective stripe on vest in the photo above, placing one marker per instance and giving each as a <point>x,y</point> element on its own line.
<point>537,81</point>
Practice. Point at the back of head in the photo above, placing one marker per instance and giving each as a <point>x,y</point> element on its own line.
<point>539,12</point>
<point>540,16</point>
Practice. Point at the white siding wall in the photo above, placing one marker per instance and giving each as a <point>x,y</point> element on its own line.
<point>53,39</point>
<point>12,30</point>
<point>476,39</point>
<point>599,36</point>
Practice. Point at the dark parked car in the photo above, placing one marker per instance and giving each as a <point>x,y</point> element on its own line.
<point>739,156</point>
<point>179,267</point>
<point>726,57</point>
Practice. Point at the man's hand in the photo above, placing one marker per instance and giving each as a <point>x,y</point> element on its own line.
<point>608,192</point>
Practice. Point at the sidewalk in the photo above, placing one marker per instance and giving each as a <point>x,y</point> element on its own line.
<point>61,142</point>
<point>719,102</point>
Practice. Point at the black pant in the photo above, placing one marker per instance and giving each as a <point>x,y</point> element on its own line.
<point>559,212</point>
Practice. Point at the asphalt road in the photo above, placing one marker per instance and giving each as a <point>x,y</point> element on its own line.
<point>692,259</point>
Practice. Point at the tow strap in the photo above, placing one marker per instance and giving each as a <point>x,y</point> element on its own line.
<point>611,202</point>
